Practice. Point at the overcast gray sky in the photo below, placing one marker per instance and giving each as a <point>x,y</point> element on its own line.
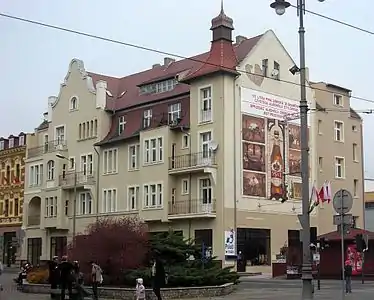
<point>34,60</point>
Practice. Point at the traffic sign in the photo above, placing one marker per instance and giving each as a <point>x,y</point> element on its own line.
<point>346,219</point>
<point>342,202</point>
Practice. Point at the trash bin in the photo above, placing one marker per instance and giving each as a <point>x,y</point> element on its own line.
<point>240,265</point>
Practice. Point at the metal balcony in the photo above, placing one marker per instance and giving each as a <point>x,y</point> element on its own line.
<point>192,162</point>
<point>51,146</point>
<point>195,208</point>
<point>71,179</point>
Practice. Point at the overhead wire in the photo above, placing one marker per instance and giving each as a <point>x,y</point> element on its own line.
<point>149,49</point>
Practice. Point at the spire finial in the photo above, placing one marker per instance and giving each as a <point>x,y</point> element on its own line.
<point>222,7</point>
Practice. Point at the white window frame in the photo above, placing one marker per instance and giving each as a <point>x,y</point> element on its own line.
<point>205,154</point>
<point>72,163</point>
<point>111,206</point>
<point>113,163</point>
<point>205,114</point>
<point>51,207</point>
<point>336,130</point>
<point>174,112</point>
<point>205,204</point>
<point>85,203</point>
<point>121,124</point>
<point>58,139</point>
<point>336,165</point>
<point>2,145</point>
<point>355,152</point>
<point>86,167</point>
<point>11,143</point>
<point>21,140</point>
<point>153,150</point>
<point>71,108</point>
<point>185,186</point>
<point>133,155</point>
<point>133,197</point>
<point>340,97</point>
<point>153,195</point>
<point>147,118</point>
<point>51,168</point>
<point>35,175</point>
<point>185,141</point>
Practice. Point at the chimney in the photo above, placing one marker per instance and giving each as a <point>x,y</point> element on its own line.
<point>51,101</point>
<point>156,66</point>
<point>168,61</point>
<point>239,39</point>
<point>101,92</point>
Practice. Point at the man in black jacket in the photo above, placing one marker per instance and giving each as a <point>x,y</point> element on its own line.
<point>54,274</point>
<point>348,276</point>
<point>66,277</point>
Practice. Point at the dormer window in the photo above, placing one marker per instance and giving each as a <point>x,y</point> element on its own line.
<point>21,140</point>
<point>73,103</point>
<point>174,112</point>
<point>121,124</point>
<point>1,145</point>
<point>276,71</point>
<point>11,142</point>
<point>158,87</point>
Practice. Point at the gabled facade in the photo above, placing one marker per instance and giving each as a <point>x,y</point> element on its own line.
<point>203,146</point>
<point>12,176</point>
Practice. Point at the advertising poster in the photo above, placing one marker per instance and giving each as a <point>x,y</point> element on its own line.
<point>230,243</point>
<point>355,259</point>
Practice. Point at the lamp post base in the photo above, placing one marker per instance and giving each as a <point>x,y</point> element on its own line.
<point>307,278</point>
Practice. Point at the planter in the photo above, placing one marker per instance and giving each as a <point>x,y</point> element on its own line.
<point>128,293</point>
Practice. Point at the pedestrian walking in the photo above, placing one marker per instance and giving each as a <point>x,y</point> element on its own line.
<point>158,276</point>
<point>54,275</point>
<point>97,278</point>
<point>348,276</point>
<point>140,289</point>
<point>66,277</point>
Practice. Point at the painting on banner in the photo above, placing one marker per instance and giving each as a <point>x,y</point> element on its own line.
<point>270,146</point>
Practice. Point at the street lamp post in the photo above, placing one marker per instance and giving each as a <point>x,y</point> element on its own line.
<point>280,8</point>
<point>75,195</point>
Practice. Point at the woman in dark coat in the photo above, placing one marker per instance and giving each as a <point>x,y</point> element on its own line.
<point>158,277</point>
<point>54,274</point>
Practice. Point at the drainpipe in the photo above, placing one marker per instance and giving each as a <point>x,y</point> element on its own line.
<point>97,183</point>
<point>363,176</point>
<point>189,181</point>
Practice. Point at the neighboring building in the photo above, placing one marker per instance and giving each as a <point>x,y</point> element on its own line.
<point>369,211</point>
<point>12,176</point>
<point>199,147</point>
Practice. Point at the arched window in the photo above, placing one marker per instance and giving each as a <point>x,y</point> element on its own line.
<point>8,174</point>
<point>73,103</point>
<point>51,170</point>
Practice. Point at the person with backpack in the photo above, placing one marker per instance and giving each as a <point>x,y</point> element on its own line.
<point>97,278</point>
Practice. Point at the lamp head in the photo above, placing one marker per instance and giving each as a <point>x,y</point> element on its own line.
<point>280,6</point>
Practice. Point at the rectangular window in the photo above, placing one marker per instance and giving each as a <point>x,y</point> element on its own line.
<point>85,203</point>
<point>153,150</point>
<point>205,142</point>
<point>185,141</point>
<point>339,131</point>
<point>339,167</point>
<point>60,135</point>
<point>319,126</point>
<point>11,143</point>
<point>206,105</point>
<point>121,124</point>
<point>110,159</point>
<point>355,187</point>
<point>338,100</point>
<point>134,157</point>
<point>265,67</point>
<point>185,186</point>
<point>36,175</point>
<point>109,201</point>
<point>276,71</point>
<point>147,117</point>
<point>71,163</point>
<point>174,114</point>
<point>355,152</point>
<point>133,196</point>
<point>153,195</point>
<point>51,207</point>
<point>21,140</point>
<point>1,145</point>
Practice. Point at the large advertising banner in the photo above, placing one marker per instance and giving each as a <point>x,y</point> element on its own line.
<point>354,258</point>
<point>270,145</point>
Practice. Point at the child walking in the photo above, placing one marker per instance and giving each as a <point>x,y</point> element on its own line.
<point>140,289</point>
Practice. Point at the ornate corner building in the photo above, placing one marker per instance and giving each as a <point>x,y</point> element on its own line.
<point>12,177</point>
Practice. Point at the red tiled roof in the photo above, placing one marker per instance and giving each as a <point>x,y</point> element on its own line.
<point>125,90</point>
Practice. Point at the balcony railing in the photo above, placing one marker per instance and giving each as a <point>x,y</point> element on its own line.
<point>200,159</point>
<point>192,207</point>
<point>68,179</point>
<point>33,220</point>
<point>51,146</point>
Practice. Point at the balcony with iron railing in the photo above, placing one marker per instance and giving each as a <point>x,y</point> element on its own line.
<point>192,208</point>
<point>71,179</point>
<point>192,161</point>
<point>51,146</point>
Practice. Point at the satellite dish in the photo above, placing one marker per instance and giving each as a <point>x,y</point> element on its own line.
<point>213,145</point>
<point>275,72</point>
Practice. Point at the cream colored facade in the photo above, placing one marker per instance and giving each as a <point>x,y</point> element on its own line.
<point>180,185</point>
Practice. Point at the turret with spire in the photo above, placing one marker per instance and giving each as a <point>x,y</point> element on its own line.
<point>222,26</point>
